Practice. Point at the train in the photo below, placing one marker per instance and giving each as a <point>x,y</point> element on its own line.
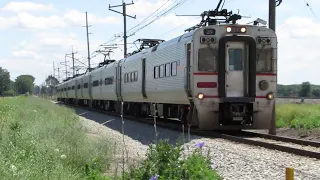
<point>214,76</point>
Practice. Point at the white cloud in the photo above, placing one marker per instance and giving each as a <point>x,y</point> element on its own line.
<point>298,57</point>
<point>71,18</point>
<point>145,7</point>
<point>78,18</point>
<point>27,6</point>
<point>25,54</point>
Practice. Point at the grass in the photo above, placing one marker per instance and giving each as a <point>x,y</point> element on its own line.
<point>298,116</point>
<point>39,140</point>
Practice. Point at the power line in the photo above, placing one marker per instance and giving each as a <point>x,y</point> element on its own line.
<point>124,13</point>
<point>310,9</point>
<point>161,15</point>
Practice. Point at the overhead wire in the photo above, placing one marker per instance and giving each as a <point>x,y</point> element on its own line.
<point>161,15</point>
<point>307,4</point>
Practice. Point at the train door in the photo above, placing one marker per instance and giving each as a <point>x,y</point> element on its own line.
<point>187,71</point>
<point>143,83</point>
<point>235,58</point>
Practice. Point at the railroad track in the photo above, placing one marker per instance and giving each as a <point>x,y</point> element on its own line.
<point>285,144</point>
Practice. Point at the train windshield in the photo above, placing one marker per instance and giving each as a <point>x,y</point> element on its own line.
<point>207,59</point>
<point>264,60</point>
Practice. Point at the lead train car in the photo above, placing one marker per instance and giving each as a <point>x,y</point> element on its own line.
<point>214,77</point>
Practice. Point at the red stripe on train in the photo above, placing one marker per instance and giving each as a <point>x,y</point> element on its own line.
<point>205,73</point>
<point>266,74</point>
<point>212,96</point>
<point>215,73</point>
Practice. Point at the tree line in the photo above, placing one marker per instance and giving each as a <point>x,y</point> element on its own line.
<point>299,90</point>
<point>21,85</point>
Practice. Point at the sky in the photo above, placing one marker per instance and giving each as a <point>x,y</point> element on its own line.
<point>37,34</point>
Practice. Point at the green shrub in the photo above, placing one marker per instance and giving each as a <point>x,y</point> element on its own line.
<point>164,161</point>
<point>9,93</point>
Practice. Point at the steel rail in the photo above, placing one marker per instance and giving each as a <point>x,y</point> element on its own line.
<point>176,125</point>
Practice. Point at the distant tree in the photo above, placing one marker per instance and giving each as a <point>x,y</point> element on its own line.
<point>51,82</point>
<point>24,83</point>
<point>4,80</point>
<point>36,89</point>
<point>316,92</point>
<point>305,90</point>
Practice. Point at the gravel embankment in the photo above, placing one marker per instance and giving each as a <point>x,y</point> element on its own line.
<point>232,160</point>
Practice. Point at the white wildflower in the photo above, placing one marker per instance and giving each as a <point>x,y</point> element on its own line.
<point>56,150</point>
<point>63,156</point>
<point>34,110</point>
<point>13,168</point>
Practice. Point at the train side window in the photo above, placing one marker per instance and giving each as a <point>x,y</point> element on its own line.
<point>264,60</point>
<point>131,77</point>
<point>167,69</point>
<point>79,86</point>
<point>136,76</point>
<point>72,87</point>
<point>161,71</point>
<point>207,59</point>
<point>156,72</point>
<point>235,59</point>
<point>95,83</point>
<point>128,77</point>
<point>85,85</point>
<point>108,80</point>
<point>174,68</point>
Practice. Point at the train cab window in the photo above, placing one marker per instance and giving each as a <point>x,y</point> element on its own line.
<point>161,71</point>
<point>235,59</point>
<point>207,59</point>
<point>264,60</point>
<point>156,72</point>
<point>167,70</point>
<point>174,68</point>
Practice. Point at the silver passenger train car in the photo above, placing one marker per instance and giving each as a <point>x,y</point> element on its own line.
<point>218,76</point>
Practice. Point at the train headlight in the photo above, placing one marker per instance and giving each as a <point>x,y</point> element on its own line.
<point>229,29</point>
<point>264,85</point>
<point>243,29</point>
<point>270,96</point>
<point>200,96</point>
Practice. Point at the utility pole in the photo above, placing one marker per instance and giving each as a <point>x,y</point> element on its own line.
<point>65,61</point>
<point>272,25</point>
<point>272,14</point>
<point>58,73</point>
<point>54,70</point>
<point>73,60</point>
<point>124,13</point>
<point>87,27</point>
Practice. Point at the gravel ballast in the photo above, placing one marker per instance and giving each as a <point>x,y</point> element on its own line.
<point>231,160</point>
